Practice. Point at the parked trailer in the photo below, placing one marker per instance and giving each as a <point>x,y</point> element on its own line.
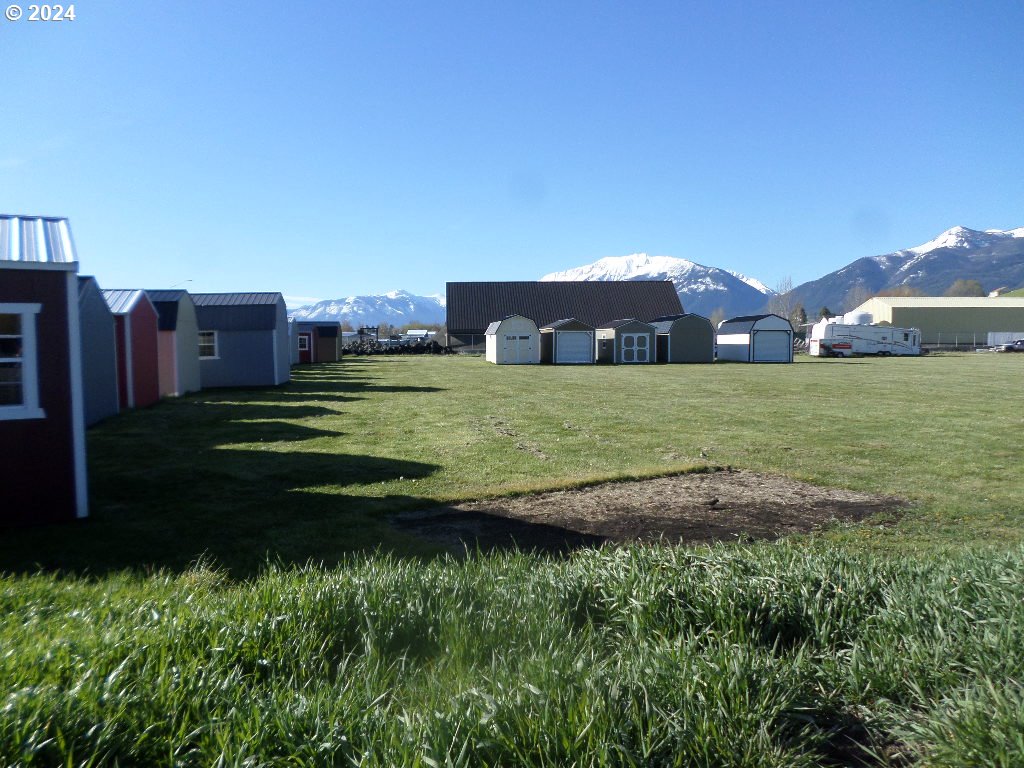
<point>831,337</point>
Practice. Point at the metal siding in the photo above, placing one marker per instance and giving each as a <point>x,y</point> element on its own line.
<point>99,353</point>
<point>569,342</point>
<point>472,306</point>
<point>36,239</point>
<point>770,346</point>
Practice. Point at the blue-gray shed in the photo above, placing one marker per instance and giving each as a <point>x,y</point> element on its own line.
<point>243,339</point>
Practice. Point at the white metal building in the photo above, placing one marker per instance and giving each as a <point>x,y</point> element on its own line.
<point>756,339</point>
<point>513,341</point>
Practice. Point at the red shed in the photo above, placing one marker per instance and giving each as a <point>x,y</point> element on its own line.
<point>136,327</point>
<point>42,422</point>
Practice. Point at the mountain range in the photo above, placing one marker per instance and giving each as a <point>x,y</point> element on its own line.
<point>993,257</point>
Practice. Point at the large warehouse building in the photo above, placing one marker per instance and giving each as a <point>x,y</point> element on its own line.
<point>949,319</point>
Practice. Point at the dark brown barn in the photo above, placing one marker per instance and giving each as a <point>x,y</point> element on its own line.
<point>471,307</point>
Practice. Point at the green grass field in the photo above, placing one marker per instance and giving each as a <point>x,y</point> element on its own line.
<point>309,470</point>
<point>311,633</point>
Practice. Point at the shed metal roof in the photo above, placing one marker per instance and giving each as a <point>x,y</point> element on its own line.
<point>36,239</point>
<point>472,306</point>
<point>167,302</point>
<point>664,324</point>
<point>745,323</point>
<point>569,323</point>
<point>235,299</point>
<point>122,300</point>
<point>622,322</point>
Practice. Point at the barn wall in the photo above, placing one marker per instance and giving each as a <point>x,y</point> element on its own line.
<point>37,456</point>
<point>145,359</point>
<point>187,347</point>
<point>734,347</point>
<point>99,357</point>
<point>693,341</point>
<point>279,349</point>
<point>245,359</point>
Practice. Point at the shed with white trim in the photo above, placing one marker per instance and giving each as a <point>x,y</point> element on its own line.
<point>756,339</point>
<point>513,341</point>
<point>625,342</point>
<point>42,414</point>
<point>567,342</point>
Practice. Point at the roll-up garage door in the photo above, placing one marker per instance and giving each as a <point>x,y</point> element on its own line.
<point>574,347</point>
<point>772,347</point>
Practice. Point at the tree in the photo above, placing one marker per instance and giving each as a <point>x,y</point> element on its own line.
<point>717,316</point>
<point>856,296</point>
<point>801,316</point>
<point>825,312</point>
<point>781,303</point>
<point>965,288</point>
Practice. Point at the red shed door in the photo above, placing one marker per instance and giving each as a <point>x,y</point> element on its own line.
<point>305,347</point>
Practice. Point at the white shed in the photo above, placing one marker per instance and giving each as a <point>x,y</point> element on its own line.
<point>513,341</point>
<point>756,339</point>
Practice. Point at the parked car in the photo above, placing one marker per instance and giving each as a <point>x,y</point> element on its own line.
<point>1011,346</point>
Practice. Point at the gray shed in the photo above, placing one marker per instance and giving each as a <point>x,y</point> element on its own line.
<point>99,352</point>
<point>567,342</point>
<point>243,339</point>
<point>687,338</point>
<point>756,339</point>
<point>178,352</point>
<point>625,341</point>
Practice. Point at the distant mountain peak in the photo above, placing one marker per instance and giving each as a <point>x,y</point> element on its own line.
<point>702,289</point>
<point>964,237</point>
<point>395,307</point>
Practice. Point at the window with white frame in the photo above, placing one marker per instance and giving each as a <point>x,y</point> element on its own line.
<point>303,342</point>
<point>19,383</point>
<point>207,344</point>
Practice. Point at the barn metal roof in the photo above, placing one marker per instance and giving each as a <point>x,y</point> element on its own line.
<point>947,302</point>
<point>745,323</point>
<point>235,299</point>
<point>622,322</point>
<point>472,306</point>
<point>36,239</point>
<point>121,300</point>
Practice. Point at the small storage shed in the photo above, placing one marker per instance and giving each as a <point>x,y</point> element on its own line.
<point>513,341</point>
<point>42,414</point>
<point>756,339</point>
<point>243,339</point>
<point>176,342</point>
<point>687,338</point>
<point>135,329</point>
<point>625,342</point>
<point>567,342</point>
<point>315,341</point>
<point>99,352</point>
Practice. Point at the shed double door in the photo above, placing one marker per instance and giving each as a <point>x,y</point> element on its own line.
<point>518,348</point>
<point>636,348</point>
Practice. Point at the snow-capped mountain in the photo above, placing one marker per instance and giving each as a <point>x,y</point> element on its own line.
<point>994,257</point>
<point>396,308</point>
<point>702,289</point>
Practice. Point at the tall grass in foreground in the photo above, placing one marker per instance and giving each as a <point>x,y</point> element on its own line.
<point>771,655</point>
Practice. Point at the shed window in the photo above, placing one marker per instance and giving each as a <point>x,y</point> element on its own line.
<point>19,388</point>
<point>207,344</point>
<point>303,343</point>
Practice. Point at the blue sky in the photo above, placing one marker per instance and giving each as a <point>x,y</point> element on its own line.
<point>325,149</point>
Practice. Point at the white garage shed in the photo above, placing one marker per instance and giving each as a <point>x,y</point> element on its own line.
<point>567,342</point>
<point>513,341</point>
<point>756,339</point>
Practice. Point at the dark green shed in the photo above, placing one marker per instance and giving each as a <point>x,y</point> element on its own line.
<point>687,338</point>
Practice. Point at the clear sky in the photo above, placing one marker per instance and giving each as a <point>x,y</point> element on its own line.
<point>325,149</point>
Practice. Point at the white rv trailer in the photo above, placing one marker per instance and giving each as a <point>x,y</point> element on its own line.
<point>852,334</point>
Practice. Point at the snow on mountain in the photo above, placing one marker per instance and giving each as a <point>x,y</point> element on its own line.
<point>394,307</point>
<point>994,257</point>
<point>702,289</point>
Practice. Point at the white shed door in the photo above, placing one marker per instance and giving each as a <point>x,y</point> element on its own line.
<point>772,347</point>
<point>636,348</point>
<point>518,349</point>
<point>575,347</point>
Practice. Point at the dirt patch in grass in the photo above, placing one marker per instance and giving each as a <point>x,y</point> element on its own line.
<point>719,505</point>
